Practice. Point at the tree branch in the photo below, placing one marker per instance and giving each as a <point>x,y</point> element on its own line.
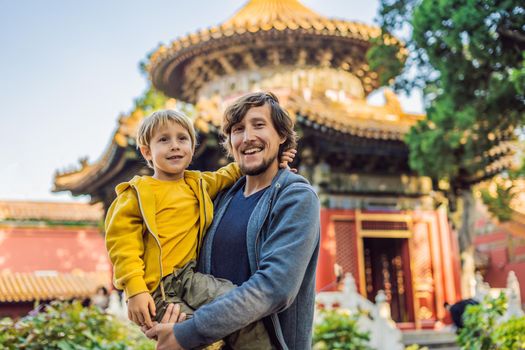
<point>512,34</point>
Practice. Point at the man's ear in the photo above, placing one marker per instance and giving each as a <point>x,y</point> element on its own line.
<point>146,152</point>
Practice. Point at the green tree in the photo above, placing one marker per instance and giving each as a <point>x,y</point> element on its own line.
<point>150,101</point>
<point>468,57</point>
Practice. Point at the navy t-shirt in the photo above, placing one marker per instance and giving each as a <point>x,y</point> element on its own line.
<point>229,257</point>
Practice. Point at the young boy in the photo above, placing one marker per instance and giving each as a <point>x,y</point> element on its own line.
<point>155,226</point>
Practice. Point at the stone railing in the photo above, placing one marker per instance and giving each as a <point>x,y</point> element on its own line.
<point>512,292</point>
<point>117,306</point>
<point>375,318</point>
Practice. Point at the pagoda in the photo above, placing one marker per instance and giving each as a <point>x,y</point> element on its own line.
<point>378,218</point>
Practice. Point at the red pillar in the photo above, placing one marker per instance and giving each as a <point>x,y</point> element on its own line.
<point>325,267</point>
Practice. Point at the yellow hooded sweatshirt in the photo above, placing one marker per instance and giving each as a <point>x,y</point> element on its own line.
<point>132,237</point>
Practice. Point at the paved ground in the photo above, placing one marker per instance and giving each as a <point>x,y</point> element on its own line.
<point>442,339</point>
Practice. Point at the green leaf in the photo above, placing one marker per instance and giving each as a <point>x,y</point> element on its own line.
<point>64,345</point>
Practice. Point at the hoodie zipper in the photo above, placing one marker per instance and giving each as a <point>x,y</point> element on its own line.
<point>204,226</point>
<point>277,185</point>
<point>156,240</point>
<point>257,255</point>
<point>258,234</point>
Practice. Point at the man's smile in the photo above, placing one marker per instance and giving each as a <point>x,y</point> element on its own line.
<point>252,150</point>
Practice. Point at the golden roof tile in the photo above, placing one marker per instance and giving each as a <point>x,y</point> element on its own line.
<point>259,12</point>
<point>56,211</point>
<point>291,14</point>
<point>23,287</point>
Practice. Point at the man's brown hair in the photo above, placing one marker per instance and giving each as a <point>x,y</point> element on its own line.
<point>281,120</point>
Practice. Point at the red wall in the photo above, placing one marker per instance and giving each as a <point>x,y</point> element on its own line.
<point>61,249</point>
<point>15,310</point>
<point>325,276</point>
<point>497,245</point>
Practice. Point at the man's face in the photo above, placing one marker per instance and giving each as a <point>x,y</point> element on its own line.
<point>170,151</point>
<point>255,142</point>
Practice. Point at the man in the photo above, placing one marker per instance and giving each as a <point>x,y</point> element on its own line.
<point>264,238</point>
<point>458,309</point>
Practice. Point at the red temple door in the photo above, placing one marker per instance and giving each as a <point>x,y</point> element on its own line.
<point>387,268</point>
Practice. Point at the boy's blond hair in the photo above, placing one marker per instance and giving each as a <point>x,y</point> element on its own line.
<point>160,119</point>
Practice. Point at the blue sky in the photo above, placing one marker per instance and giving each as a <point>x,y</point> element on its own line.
<point>69,68</point>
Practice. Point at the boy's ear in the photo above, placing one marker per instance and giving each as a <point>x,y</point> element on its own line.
<point>146,152</point>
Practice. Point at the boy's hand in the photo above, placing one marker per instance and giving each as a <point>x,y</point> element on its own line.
<point>286,158</point>
<point>140,307</point>
<point>163,331</point>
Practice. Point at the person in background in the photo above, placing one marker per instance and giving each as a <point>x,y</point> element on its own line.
<point>101,298</point>
<point>458,309</point>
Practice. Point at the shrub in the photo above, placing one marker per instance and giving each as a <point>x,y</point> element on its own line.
<point>339,330</point>
<point>510,335</point>
<point>70,326</point>
<point>483,329</point>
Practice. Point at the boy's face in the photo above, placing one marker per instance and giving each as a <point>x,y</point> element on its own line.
<point>255,142</point>
<point>170,151</point>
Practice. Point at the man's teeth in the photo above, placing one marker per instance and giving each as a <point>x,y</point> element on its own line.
<point>252,150</point>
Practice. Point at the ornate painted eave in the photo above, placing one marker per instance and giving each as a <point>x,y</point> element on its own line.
<point>262,34</point>
<point>500,157</point>
<point>356,118</point>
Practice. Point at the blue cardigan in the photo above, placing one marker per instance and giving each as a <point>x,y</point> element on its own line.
<point>283,246</point>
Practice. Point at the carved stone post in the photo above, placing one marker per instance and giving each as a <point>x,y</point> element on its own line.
<point>383,307</point>
<point>482,288</point>
<point>513,296</point>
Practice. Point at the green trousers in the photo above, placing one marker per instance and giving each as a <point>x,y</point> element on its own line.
<point>191,290</point>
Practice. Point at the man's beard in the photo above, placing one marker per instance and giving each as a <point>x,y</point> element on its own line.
<point>258,170</point>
